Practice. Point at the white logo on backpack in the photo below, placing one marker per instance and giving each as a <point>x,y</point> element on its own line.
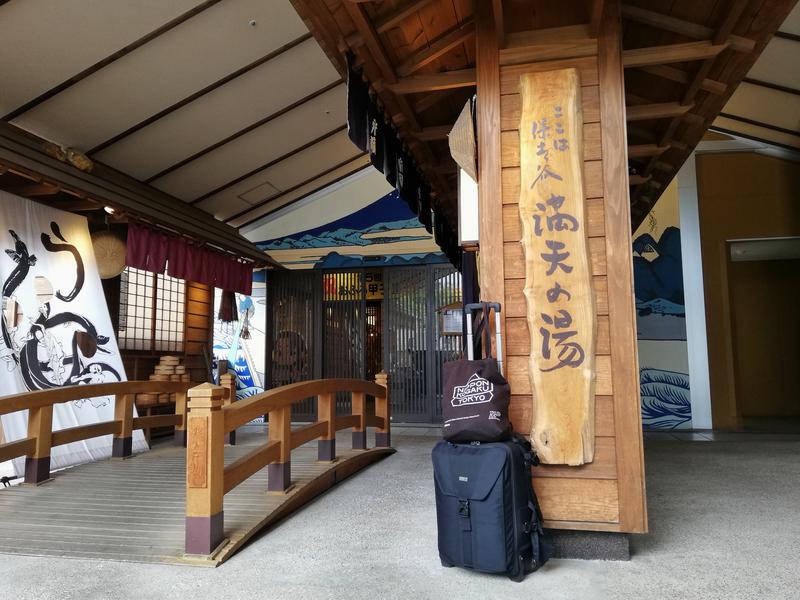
<point>477,390</point>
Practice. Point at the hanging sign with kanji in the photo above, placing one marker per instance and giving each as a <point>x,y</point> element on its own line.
<point>558,279</point>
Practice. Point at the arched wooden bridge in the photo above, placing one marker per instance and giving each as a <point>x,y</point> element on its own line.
<point>197,504</point>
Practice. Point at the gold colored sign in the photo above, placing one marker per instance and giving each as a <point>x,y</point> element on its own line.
<point>558,280</point>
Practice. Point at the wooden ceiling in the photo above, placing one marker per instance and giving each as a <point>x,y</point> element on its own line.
<point>683,60</point>
<point>232,106</point>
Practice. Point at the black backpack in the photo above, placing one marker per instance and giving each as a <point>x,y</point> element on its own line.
<point>488,517</point>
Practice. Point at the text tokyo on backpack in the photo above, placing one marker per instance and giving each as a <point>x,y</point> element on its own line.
<point>488,518</point>
<point>475,394</point>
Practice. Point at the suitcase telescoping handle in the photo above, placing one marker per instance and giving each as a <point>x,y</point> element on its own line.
<point>485,306</point>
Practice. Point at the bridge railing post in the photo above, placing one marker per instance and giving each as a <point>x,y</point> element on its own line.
<point>383,438</point>
<point>279,473</point>
<point>40,427</point>
<point>205,469</point>
<point>359,404</point>
<point>179,437</point>
<point>326,411</point>
<point>122,444</point>
<point>228,381</point>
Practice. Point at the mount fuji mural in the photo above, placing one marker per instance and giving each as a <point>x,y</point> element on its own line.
<point>383,233</point>
<point>661,318</point>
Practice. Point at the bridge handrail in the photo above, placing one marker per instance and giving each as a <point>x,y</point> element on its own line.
<point>41,438</point>
<point>208,420</point>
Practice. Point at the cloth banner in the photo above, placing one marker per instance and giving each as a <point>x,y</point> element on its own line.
<point>56,329</point>
<point>153,251</point>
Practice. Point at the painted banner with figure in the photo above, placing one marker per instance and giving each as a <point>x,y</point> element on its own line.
<point>56,329</point>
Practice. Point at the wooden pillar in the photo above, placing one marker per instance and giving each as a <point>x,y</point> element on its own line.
<point>326,411</point>
<point>383,438</point>
<point>228,381</point>
<point>280,430</point>
<point>179,438</point>
<point>490,190</point>
<point>40,427</point>
<point>205,469</point>
<point>619,259</point>
<point>122,445</point>
<point>359,405</point>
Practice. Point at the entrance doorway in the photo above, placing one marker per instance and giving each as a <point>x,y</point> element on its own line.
<point>356,323</point>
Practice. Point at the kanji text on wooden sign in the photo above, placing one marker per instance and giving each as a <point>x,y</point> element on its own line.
<point>558,280</point>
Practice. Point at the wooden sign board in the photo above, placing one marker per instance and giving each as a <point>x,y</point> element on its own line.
<point>558,281</point>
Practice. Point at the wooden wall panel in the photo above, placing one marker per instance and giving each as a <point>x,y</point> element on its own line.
<point>575,499</point>
<point>198,333</point>
<point>607,494</point>
<point>521,408</point>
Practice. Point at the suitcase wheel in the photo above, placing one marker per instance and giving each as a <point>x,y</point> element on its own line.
<point>518,577</point>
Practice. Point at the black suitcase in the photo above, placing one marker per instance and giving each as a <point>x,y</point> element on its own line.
<point>487,515</point>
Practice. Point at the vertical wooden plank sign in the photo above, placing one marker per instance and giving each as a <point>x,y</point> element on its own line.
<point>558,280</point>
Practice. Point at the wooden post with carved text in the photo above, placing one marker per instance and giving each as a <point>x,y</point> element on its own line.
<point>205,469</point>
<point>558,280</point>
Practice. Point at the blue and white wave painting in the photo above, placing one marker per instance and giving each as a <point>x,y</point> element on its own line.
<point>665,399</point>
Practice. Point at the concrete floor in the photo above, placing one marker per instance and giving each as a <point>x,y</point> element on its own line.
<point>724,523</point>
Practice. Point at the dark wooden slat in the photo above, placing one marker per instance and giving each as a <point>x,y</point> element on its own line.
<point>269,164</point>
<point>298,186</point>
<point>109,59</point>
<point>755,138</point>
<point>687,28</point>
<point>112,188</point>
<point>659,110</point>
<point>763,124</point>
<point>438,47</point>
<point>243,131</point>
<point>785,35</point>
<point>670,53</point>
<point>772,86</point>
<point>446,80</point>
<point>667,72</point>
<point>192,97</point>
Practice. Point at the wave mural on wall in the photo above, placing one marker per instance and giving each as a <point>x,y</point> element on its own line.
<point>665,399</point>
<point>383,233</point>
<point>661,328</point>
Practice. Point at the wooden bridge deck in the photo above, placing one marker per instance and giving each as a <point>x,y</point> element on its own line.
<point>133,510</point>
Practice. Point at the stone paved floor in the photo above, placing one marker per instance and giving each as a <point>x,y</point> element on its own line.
<point>724,523</point>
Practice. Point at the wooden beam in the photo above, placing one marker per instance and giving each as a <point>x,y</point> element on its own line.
<point>439,47</point>
<point>687,28</point>
<point>428,134</point>
<point>761,124</point>
<point>390,21</point>
<point>499,22</point>
<point>644,150</point>
<point>621,309</point>
<point>572,41</point>
<point>490,187</point>
<point>666,72</point>
<point>595,18</point>
<point>658,110</point>
<point>671,53</point>
<point>431,100</point>
<point>37,189</point>
<point>446,80</point>
<point>371,40</point>
<point>638,179</point>
<point>24,151</point>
